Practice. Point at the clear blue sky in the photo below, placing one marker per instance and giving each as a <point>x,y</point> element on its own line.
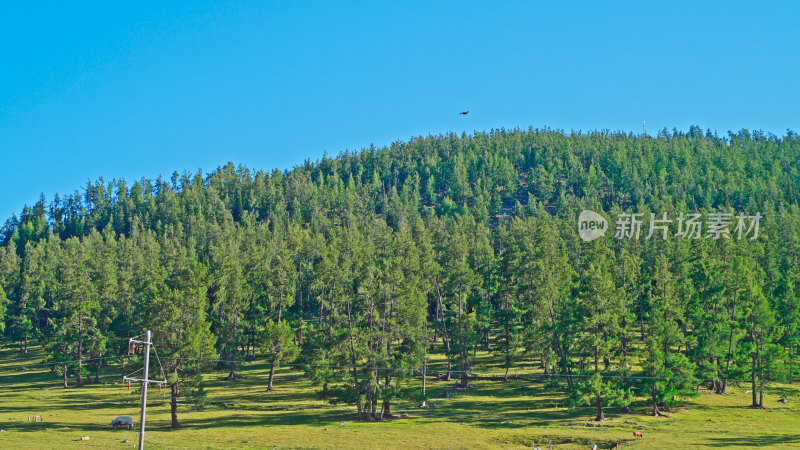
<point>132,89</point>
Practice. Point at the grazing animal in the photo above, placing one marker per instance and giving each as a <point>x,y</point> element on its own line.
<point>123,421</point>
<point>463,113</point>
<point>614,446</point>
<point>638,435</point>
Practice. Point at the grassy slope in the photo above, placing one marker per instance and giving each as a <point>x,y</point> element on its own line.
<point>494,414</point>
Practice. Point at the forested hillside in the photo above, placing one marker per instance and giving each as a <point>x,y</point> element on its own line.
<point>360,266</point>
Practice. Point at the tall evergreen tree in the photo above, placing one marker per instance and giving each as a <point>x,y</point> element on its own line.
<point>176,311</point>
<point>599,306</point>
<point>668,373</point>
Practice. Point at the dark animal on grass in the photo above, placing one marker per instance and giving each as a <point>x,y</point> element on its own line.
<point>614,446</point>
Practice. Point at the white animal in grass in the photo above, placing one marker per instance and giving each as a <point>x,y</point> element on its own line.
<point>123,421</point>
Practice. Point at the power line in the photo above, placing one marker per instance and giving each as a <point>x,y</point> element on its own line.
<point>431,371</point>
<point>472,372</point>
<point>61,363</point>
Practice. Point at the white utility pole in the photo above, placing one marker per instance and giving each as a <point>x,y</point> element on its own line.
<point>145,381</point>
<point>144,388</point>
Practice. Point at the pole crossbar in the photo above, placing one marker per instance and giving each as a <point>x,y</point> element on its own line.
<point>148,381</point>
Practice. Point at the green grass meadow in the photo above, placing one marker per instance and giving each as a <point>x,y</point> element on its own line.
<point>494,414</point>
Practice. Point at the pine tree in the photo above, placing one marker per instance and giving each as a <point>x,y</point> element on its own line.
<point>175,312</point>
<point>101,260</point>
<point>549,280</point>
<point>668,372</point>
<point>230,294</point>
<point>510,313</point>
<point>281,286</point>
<point>77,305</point>
<point>758,319</point>
<point>278,345</point>
<point>17,327</point>
<point>460,282</point>
<point>598,332</point>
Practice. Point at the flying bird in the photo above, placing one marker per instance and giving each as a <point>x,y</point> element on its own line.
<point>463,113</point>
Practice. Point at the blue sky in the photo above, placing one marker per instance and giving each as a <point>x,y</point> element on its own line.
<point>132,89</point>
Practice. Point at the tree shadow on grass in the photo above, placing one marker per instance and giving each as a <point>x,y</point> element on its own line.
<point>754,441</point>
<point>34,410</point>
<point>290,417</point>
<point>508,405</point>
<point>262,396</point>
<point>505,406</point>
<point>28,380</point>
<point>28,427</point>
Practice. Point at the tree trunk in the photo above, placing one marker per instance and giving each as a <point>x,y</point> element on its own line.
<point>755,357</point>
<point>300,296</point>
<point>561,352</point>
<point>753,386</point>
<point>656,412</point>
<point>728,362</point>
<point>445,336</point>
<point>353,361</point>
<point>79,376</point>
<point>599,405</point>
<point>280,307</point>
<point>251,341</point>
<point>425,363</point>
<point>641,323</point>
<point>624,340</point>
<point>424,378</point>
<point>174,405</point>
<point>232,374</point>
<point>272,372</point>
<point>321,302</point>
<point>374,406</point>
<point>66,384</point>
<point>507,332</point>
<point>464,351</point>
<point>387,407</point>
<point>435,323</point>
<point>300,333</point>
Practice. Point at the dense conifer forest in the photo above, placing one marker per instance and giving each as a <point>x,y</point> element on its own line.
<point>360,266</point>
